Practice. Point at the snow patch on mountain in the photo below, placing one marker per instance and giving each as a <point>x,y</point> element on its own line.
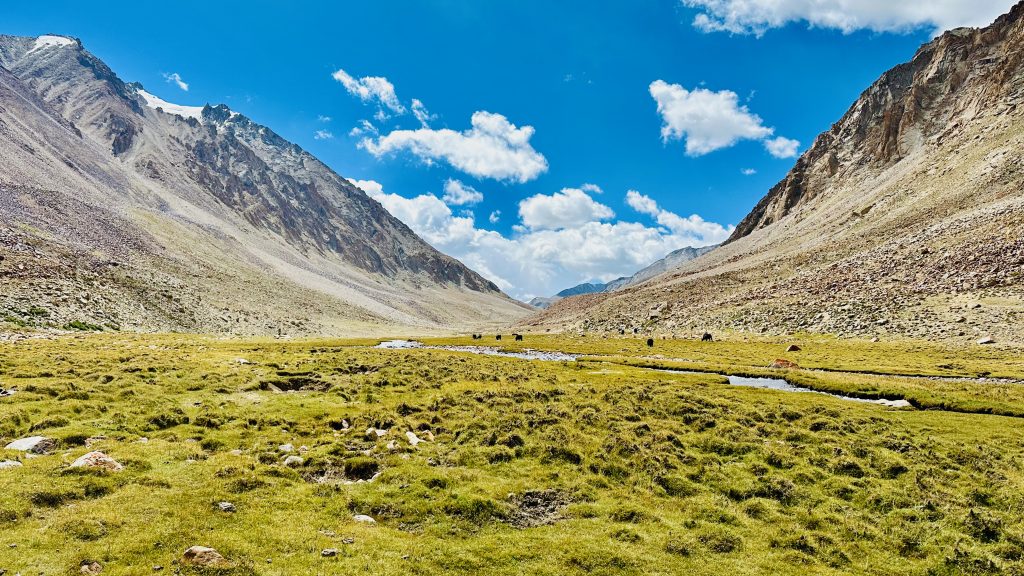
<point>47,41</point>
<point>183,111</point>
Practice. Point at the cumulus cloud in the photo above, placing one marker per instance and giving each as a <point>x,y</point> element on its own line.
<point>175,78</point>
<point>748,171</point>
<point>371,89</point>
<point>494,217</point>
<point>758,16</point>
<point>542,261</point>
<point>566,209</point>
<point>458,194</point>
<point>492,148</point>
<point>324,119</point>
<point>693,226</point>
<point>782,147</point>
<point>322,135</point>
<point>708,120</point>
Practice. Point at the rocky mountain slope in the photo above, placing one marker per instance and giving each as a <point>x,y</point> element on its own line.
<point>122,210</point>
<point>906,218</point>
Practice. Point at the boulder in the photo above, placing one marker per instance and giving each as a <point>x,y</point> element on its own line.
<point>364,519</point>
<point>97,461</point>
<point>783,364</point>
<point>374,433</point>
<point>329,552</point>
<point>5,464</point>
<point>793,348</point>
<point>293,461</point>
<point>91,568</point>
<point>34,444</point>
<point>413,438</point>
<point>226,507</point>
<point>286,448</point>
<point>987,340</point>
<point>203,556</point>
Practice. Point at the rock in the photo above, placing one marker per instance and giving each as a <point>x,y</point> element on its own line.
<point>286,448</point>
<point>413,439</point>
<point>293,461</point>
<point>7,392</point>
<point>793,348</point>
<point>364,519</point>
<point>4,464</point>
<point>329,552</point>
<point>89,567</point>
<point>97,460</point>
<point>235,452</point>
<point>34,444</point>
<point>226,507</point>
<point>986,340</point>
<point>374,433</point>
<point>203,556</point>
<point>783,364</point>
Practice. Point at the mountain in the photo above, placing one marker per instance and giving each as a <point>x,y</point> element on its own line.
<point>585,288</point>
<point>904,219</point>
<point>119,209</point>
<point>671,262</point>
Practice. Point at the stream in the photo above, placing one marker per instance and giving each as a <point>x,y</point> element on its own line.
<point>528,354</point>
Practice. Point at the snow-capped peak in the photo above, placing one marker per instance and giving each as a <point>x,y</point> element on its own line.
<point>47,41</point>
<point>184,111</point>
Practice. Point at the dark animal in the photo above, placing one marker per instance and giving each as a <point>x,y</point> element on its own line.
<point>519,337</point>
<point>636,330</point>
<point>498,337</point>
<point>707,338</point>
<point>650,342</point>
<point>622,331</point>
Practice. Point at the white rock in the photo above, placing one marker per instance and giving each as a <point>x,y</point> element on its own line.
<point>33,444</point>
<point>372,432</point>
<point>293,461</point>
<point>413,439</point>
<point>364,519</point>
<point>5,464</point>
<point>226,507</point>
<point>97,460</point>
<point>286,448</point>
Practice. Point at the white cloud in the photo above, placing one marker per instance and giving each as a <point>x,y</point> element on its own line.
<point>748,171</point>
<point>542,262</point>
<point>782,147</point>
<point>175,78</point>
<point>692,226</point>
<point>371,89</point>
<point>365,127</point>
<point>421,113</point>
<point>592,189</point>
<point>566,209</point>
<point>458,194</point>
<point>758,16</point>
<point>492,148</point>
<point>710,121</point>
<point>494,217</point>
<point>323,135</point>
<point>324,119</point>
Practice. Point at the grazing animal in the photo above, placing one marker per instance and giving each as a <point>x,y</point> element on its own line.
<point>707,338</point>
<point>650,342</point>
<point>498,337</point>
<point>519,337</point>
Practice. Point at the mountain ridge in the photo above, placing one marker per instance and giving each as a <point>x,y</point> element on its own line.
<point>904,219</point>
<point>224,181</point>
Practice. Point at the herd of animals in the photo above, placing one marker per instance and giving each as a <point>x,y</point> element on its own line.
<point>707,337</point>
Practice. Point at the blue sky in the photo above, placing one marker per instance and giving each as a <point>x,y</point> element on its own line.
<point>573,77</point>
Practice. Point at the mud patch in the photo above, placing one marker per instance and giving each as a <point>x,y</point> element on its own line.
<point>536,508</point>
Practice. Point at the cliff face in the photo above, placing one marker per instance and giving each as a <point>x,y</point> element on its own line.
<point>950,81</point>
<point>208,193</point>
<point>906,218</point>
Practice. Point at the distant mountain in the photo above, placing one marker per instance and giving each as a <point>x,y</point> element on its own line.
<point>673,260</point>
<point>120,209</point>
<point>904,219</point>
